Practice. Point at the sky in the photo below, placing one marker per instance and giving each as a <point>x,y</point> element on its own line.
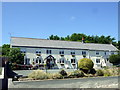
<point>42,19</point>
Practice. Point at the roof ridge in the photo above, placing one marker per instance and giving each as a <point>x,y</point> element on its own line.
<point>61,40</point>
<point>45,39</point>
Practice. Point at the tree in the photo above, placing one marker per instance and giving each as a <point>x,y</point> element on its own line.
<point>85,64</point>
<point>52,37</point>
<point>5,50</point>
<point>16,56</point>
<point>88,39</point>
<point>115,59</point>
<point>119,45</point>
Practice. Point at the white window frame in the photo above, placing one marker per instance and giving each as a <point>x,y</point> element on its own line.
<point>98,62</point>
<point>74,60</point>
<point>72,52</point>
<point>38,52</point>
<point>48,51</point>
<point>97,53</point>
<point>23,51</point>
<point>84,52</point>
<point>61,52</point>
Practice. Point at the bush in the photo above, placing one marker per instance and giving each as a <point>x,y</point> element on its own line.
<point>76,73</point>
<point>39,74</point>
<point>111,72</point>
<point>63,72</point>
<point>85,64</point>
<point>14,66</point>
<point>100,72</point>
<point>92,71</point>
<point>57,76</point>
<point>115,59</point>
<point>107,73</point>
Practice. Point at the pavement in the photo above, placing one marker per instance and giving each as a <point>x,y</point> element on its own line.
<point>93,82</point>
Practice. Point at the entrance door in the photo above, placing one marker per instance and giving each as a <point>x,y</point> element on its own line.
<point>50,62</point>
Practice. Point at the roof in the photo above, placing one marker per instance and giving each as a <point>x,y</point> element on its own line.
<point>33,42</point>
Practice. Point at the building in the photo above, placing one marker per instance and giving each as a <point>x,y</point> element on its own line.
<point>62,54</point>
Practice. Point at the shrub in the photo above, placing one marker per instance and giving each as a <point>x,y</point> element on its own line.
<point>85,64</point>
<point>111,72</point>
<point>63,72</point>
<point>57,76</point>
<point>39,74</point>
<point>99,72</point>
<point>76,73</point>
<point>115,59</point>
<point>92,71</point>
<point>107,72</point>
<point>14,66</point>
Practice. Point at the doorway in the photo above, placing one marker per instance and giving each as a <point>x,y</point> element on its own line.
<point>50,62</point>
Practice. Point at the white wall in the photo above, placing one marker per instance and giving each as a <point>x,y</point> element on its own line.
<point>31,53</point>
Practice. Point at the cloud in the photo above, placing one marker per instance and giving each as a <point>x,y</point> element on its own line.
<point>72,18</point>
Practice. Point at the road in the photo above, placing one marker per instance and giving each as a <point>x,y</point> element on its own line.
<point>94,82</point>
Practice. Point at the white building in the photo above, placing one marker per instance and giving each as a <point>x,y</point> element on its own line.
<point>62,54</point>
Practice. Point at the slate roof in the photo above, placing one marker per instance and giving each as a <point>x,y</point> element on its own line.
<point>33,42</point>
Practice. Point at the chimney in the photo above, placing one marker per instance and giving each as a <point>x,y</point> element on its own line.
<point>83,40</point>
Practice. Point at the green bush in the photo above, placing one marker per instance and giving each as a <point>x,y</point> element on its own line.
<point>100,72</point>
<point>14,66</point>
<point>85,64</point>
<point>92,71</point>
<point>115,59</point>
<point>76,73</point>
<point>63,72</point>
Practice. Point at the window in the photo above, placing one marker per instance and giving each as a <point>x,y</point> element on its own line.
<point>72,60</point>
<point>48,51</point>
<point>112,53</point>
<point>39,60</point>
<point>83,52</point>
<point>36,60</point>
<point>97,53</point>
<point>107,59</point>
<point>62,60</point>
<point>27,61</point>
<point>105,53</point>
<point>97,60</point>
<point>72,52</point>
<point>23,51</point>
<point>61,52</point>
<point>38,52</point>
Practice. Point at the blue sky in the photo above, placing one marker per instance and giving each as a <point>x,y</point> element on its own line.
<point>40,20</point>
